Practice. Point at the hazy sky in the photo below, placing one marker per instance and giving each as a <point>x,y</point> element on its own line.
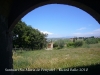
<point>60,20</point>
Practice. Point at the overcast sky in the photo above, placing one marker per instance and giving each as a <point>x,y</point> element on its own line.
<point>60,20</point>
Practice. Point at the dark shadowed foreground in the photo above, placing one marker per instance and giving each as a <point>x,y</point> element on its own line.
<point>89,70</point>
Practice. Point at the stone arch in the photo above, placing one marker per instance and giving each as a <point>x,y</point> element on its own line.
<point>77,4</point>
<point>11,11</point>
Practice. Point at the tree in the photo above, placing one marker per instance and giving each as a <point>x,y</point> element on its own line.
<point>28,37</point>
<point>60,43</point>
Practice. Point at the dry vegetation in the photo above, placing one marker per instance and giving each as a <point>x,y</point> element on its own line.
<point>62,58</point>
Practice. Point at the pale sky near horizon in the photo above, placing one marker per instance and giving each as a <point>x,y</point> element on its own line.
<point>60,20</point>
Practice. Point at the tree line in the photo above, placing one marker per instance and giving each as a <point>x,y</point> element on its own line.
<point>75,42</point>
<point>24,36</point>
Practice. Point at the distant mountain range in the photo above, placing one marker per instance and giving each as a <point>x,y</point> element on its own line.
<point>61,37</point>
<point>68,37</point>
<point>54,39</point>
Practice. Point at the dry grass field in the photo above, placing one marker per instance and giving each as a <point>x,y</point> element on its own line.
<point>62,58</point>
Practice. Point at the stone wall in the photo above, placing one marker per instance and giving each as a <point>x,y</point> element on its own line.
<point>6,60</point>
<point>50,46</point>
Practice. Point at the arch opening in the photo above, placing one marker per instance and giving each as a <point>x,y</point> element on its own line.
<point>69,53</point>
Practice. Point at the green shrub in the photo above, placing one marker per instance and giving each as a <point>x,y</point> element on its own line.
<point>73,39</point>
<point>55,45</point>
<point>98,39</point>
<point>59,44</point>
<point>91,41</point>
<point>78,43</point>
<point>75,44</point>
<point>70,44</point>
<point>85,39</point>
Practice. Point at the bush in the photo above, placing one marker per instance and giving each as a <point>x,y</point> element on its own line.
<point>75,44</point>
<point>59,44</point>
<point>73,39</point>
<point>85,39</point>
<point>70,44</point>
<point>98,39</point>
<point>55,45</point>
<point>91,41</point>
<point>78,43</point>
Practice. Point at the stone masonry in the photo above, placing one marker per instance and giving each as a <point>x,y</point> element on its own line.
<point>5,47</point>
